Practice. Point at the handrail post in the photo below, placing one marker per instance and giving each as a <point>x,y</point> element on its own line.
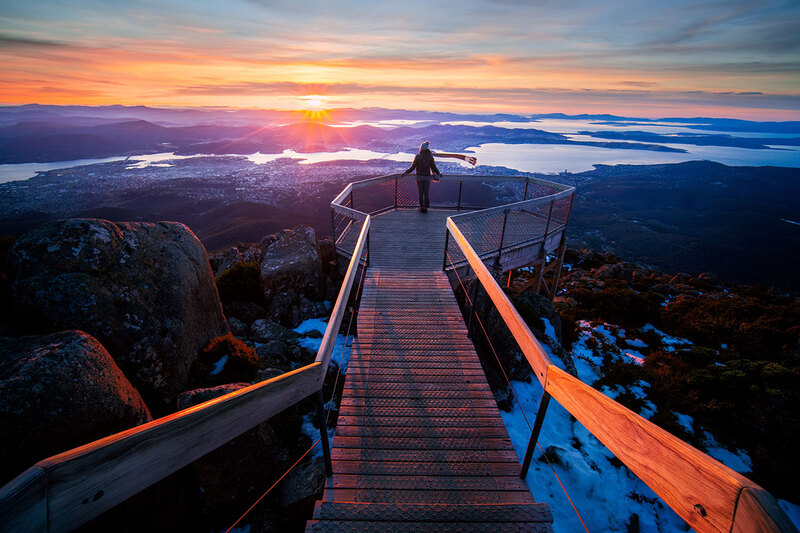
<point>323,434</point>
<point>460,184</point>
<point>366,258</point>
<point>502,239</point>
<point>537,428</point>
<point>351,200</point>
<point>333,227</point>
<point>446,244</point>
<point>474,302</point>
<point>525,192</point>
<point>395,193</point>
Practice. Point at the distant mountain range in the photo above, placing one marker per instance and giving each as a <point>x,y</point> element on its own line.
<point>39,133</point>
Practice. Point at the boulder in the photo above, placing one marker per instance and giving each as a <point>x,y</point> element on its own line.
<point>145,291</point>
<point>291,267</point>
<point>533,307</point>
<point>197,396</point>
<point>230,257</point>
<point>274,354</point>
<point>239,470</point>
<point>60,391</point>
<point>266,330</point>
<point>303,485</point>
<point>623,271</point>
<point>238,328</point>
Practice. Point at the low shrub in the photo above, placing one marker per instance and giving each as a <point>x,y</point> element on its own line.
<point>241,363</point>
<point>241,282</point>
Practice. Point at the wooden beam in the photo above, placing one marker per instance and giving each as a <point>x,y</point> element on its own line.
<point>350,213</point>
<point>335,321</point>
<point>23,502</point>
<point>701,490</point>
<point>758,511</point>
<point>533,351</point>
<point>82,483</point>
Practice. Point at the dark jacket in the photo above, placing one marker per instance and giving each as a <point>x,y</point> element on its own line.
<point>424,164</point>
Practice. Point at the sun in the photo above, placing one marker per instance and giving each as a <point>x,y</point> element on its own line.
<point>314,100</point>
<point>313,104</point>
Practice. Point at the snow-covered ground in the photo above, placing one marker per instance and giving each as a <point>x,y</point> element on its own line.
<point>340,357</point>
<point>604,492</point>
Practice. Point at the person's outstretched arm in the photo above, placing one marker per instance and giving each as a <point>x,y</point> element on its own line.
<point>472,160</point>
<point>411,168</point>
<point>435,170</point>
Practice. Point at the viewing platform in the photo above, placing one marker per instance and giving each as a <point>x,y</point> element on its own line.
<point>420,444</point>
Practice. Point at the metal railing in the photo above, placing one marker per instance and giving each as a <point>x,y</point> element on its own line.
<point>64,491</point>
<point>510,211</point>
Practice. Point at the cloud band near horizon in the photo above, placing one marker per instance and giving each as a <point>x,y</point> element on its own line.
<point>736,58</point>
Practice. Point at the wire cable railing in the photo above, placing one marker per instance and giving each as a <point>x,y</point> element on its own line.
<point>322,422</point>
<point>473,314</point>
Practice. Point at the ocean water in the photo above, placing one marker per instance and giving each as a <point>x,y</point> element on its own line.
<point>546,158</point>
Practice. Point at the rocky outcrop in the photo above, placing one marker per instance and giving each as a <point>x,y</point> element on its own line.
<point>241,469</point>
<point>145,291</point>
<point>60,391</point>
<point>197,396</point>
<point>303,485</point>
<point>291,274</point>
<point>266,331</point>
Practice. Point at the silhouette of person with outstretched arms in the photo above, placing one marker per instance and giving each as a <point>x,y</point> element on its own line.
<point>426,168</point>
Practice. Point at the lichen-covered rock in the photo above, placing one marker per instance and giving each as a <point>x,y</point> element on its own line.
<point>238,328</point>
<point>303,485</point>
<point>266,330</point>
<point>230,258</point>
<point>291,267</point>
<point>145,291</point>
<point>197,396</point>
<point>243,468</point>
<point>274,354</point>
<point>59,391</point>
<point>623,271</point>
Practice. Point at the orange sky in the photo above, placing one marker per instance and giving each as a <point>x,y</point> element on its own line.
<point>732,59</point>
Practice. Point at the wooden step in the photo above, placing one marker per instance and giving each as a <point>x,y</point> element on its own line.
<point>420,444</point>
<point>535,512</point>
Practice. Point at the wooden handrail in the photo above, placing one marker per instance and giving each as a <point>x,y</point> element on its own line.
<point>708,495</point>
<point>64,491</point>
<point>348,212</point>
<point>335,321</point>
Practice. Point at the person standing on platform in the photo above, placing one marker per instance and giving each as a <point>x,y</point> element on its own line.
<point>426,168</point>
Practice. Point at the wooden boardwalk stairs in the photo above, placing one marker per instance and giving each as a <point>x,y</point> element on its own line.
<point>420,445</point>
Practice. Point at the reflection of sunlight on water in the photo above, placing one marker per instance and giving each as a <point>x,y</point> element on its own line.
<point>349,154</point>
<point>552,125</point>
<point>155,160</point>
<point>393,123</point>
<point>24,171</point>
<point>552,158</point>
<point>548,158</point>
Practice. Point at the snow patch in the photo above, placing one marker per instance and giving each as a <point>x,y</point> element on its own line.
<point>636,343</point>
<point>219,365</point>
<point>792,511</point>
<point>686,422</point>
<point>737,460</point>
<point>605,495</point>
<point>670,343</point>
<point>549,330</point>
